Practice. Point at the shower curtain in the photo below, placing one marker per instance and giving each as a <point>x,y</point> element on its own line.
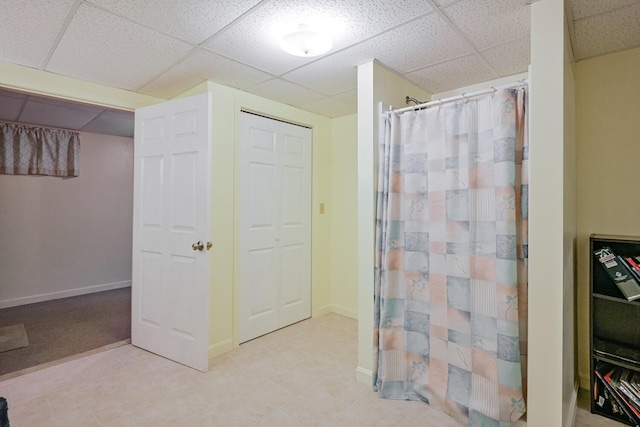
<point>451,258</point>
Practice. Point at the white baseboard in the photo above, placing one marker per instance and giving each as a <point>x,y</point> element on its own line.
<point>325,309</point>
<point>573,405</point>
<point>63,294</point>
<point>220,348</point>
<point>364,375</point>
<point>343,311</point>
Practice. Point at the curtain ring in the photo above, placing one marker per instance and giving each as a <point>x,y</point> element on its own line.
<point>464,98</point>
<point>493,94</point>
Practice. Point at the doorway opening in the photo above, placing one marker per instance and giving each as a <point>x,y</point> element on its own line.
<point>67,241</point>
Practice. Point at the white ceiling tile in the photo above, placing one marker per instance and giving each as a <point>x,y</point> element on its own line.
<point>112,122</point>
<point>330,106</point>
<point>489,23</point>
<point>584,8</point>
<point>420,43</point>
<point>192,21</point>
<point>606,33</point>
<point>93,109</point>
<point>415,45</point>
<point>28,28</point>
<point>198,67</point>
<point>510,58</point>
<point>334,74</point>
<point>285,92</point>
<point>104,48</point>
<point>453,74</point>
<point>349,97</point>
<point>48,114</point>
<point>442,3</point>
<point>255,39</point>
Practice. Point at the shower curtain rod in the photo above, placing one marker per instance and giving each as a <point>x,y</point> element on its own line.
<point>464,96</point>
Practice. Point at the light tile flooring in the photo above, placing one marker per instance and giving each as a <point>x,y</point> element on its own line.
<point>302,375</point>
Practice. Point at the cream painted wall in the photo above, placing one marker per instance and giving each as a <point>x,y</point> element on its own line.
<point>227,105</point>
<point>343,213</point>
<point>551,388</point>
<point>608,149</point>
<point>376,84</point>
<point>61,237</point>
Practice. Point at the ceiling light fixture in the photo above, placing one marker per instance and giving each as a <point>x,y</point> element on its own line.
<point>306,42</point>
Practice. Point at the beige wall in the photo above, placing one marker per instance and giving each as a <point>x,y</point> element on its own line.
<point>61,237</point>
<point>608,151</point>
<point>343,213</point>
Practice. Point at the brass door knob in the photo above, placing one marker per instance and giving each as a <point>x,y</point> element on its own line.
<point>198,246</point>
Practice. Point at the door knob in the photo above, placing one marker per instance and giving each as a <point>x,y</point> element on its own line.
<point>198,246</point>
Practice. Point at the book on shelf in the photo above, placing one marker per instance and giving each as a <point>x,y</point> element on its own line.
<point>618,382</point>
<point>616,352</point>
<point>603,399</point>
<point>617,269</point>
<point>606,373</point>
<point>632,266</point>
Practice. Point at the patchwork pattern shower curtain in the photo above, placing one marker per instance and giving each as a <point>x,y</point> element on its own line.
<point>451,258</point>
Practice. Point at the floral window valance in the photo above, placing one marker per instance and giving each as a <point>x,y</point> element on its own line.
<point>27,150</point>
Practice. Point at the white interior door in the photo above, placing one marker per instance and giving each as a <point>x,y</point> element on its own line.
<point>170,286</point>
<point>275,225</point>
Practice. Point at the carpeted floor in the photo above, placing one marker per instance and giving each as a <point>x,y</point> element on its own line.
<point>65,327</point>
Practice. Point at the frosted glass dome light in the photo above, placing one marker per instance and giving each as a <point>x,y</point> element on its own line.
<point>306,42</point>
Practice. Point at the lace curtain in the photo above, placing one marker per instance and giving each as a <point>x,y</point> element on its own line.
<point>26,150</point>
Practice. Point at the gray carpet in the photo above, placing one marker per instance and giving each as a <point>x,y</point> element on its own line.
<point>12,337</point>
<point>65,327</point>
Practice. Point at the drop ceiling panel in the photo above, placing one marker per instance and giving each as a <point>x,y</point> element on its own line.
<point>111,122</point>
<point>47,114</point>
<point>336,73</point>
<point>510,58</point>
<point>441,3</point>
<point>104,48</point>
<point>200,66</point>
<point>285,92</point>
<point>423,41</point>
<point>334,106</point>
<point>609,32</point>
<point>488,23</point>
<point>192,21</point>
<point>585,8</point>
<point>452,74</point>
<point>255,39</point>
<point>164,47</point>
<point>28,28</point>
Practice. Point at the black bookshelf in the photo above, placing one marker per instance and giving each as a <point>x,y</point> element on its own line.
<point>614,327</point>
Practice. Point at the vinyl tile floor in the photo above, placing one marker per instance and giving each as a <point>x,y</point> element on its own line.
<point>302,375</point>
